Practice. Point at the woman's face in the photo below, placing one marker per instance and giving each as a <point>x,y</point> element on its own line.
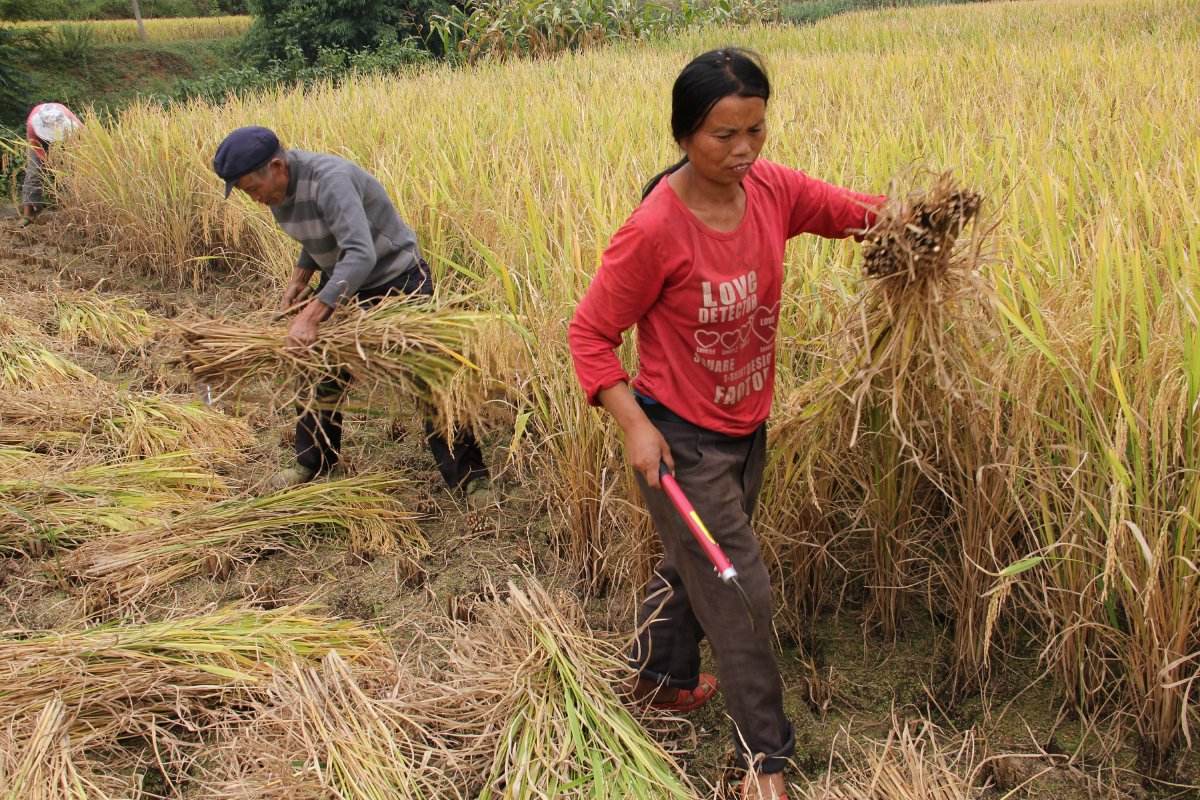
<point>729,139</point>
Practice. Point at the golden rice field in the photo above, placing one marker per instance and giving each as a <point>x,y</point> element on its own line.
<point>1008,456</point>
<point>172,29</point>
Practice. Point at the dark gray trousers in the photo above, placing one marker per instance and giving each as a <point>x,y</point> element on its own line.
<point>721,476</point>
<point>319,427</point>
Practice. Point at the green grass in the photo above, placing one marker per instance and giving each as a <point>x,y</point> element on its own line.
<point>113,75</point>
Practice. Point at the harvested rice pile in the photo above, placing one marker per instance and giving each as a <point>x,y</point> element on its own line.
<point>539,686</point>
<point>102,421</point>
<point>46,503</point>
<point>67,698</point>
<point>210,539</point>
<point>521,704</point>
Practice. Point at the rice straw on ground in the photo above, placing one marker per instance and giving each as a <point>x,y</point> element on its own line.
<point>211,539</point>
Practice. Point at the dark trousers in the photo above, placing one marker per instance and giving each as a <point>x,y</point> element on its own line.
<point>721,476</point>
<point>319,429</point>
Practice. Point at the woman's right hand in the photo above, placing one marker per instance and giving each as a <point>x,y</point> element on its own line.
<point>646,448</point>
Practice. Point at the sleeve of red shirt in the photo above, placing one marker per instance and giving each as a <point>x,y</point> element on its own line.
<point>827,210</point>
<point>628,282</point>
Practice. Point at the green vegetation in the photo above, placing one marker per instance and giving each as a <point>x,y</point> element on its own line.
<point>509,28</point>
<point>115,9</point>
<point>110,76</point>
<point>306,31</point>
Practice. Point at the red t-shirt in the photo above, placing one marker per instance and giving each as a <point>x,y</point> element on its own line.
<point>705,303</point>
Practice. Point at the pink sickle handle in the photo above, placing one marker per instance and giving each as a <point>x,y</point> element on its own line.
<point>705,539</point>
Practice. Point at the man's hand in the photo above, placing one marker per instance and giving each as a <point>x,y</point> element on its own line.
<point>293,294</point>
<point>303,331</point>
<point>296,290</point>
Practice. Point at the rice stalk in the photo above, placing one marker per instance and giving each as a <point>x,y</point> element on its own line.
<point>209,540</point>
<point>45,766</point>
<point>113,324</point>
<point>120,680</point>
<point>44,506</point>
<point>911,764</point>
<point>401,346</point>
<point>573,452</point>
<point>542,687</point>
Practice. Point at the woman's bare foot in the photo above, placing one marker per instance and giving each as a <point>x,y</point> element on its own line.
<point>763,787</point>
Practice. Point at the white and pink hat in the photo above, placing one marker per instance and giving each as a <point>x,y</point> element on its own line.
<point>52,122</point>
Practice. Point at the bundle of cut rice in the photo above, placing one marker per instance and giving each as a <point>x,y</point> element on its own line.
<point>400,347</point>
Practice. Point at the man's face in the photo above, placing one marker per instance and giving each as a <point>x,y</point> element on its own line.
<point>268,184</point>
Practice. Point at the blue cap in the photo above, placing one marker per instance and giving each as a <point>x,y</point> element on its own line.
<point>242,152</point>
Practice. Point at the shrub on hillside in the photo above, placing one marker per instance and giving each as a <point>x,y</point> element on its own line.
<point>299,31</point>
<point>332,64</point>
<point>504,28</point>
<point>17,49</point>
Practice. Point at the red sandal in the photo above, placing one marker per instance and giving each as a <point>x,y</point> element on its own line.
<point>687,700</point>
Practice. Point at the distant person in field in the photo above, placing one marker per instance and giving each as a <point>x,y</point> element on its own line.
<point>46,124</point>
<point>351,233</point>
<point>698,268</point>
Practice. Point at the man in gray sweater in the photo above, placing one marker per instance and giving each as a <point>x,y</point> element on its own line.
<point>348,230</point>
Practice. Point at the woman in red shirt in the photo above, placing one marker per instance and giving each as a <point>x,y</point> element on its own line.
<point>698,268</point>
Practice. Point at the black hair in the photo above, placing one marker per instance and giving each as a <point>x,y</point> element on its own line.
<point>705,81</point>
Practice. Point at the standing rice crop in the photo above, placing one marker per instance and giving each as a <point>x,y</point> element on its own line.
<point>166,29</point>
<point>900,434</point>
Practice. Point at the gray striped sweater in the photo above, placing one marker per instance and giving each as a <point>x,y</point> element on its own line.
<point>346,225</point>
